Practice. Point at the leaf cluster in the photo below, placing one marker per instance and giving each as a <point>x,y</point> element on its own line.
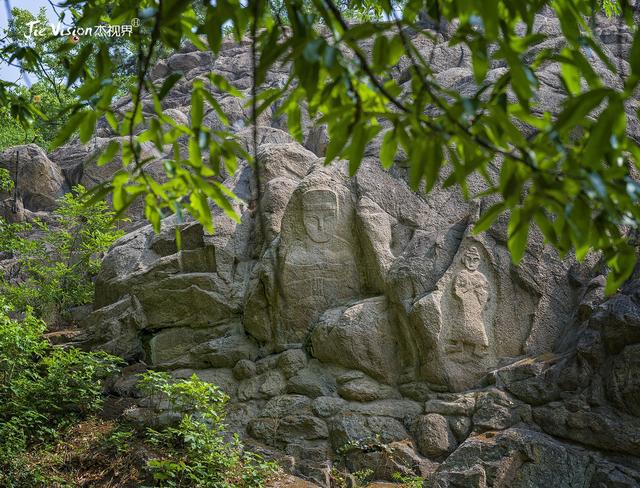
<point>196,451</point>
<point>570,172</point>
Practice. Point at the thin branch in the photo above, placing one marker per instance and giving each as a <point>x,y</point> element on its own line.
<point>143,65</point>
<point>398,104</point>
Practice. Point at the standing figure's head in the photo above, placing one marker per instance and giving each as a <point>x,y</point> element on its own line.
<point>320,214</point>
<point>471,259</point>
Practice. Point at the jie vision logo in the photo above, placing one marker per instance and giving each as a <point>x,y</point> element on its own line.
<point>40,29</point>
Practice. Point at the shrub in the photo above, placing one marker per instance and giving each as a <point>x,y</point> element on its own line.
<point>6,183</point>
<point>56,262</point>
<point>42,388</point>
<point>196,452</point>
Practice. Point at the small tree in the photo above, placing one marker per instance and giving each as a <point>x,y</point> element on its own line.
<point>196,452</point>
<point>56,262</point>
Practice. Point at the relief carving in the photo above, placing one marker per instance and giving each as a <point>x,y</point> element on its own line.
<point>319,270</point>
<point>471,288</point>
<point>320,214</point>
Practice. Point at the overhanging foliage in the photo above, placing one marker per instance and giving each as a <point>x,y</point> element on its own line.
<point>571,175</point>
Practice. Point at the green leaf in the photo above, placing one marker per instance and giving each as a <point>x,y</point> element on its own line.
<point>196,105</point>
<point>488,217</point>
<point>546,227</point>
<point>417,163</point>
<point>294,121</point>
<point>79,64</point>
<point>571,77</point>
<point>216,107</point>
<point>111,120</point>
<point>168,83</point>
<point>576,109</point>
<point>69,128</point>
<point>396,49</point>
<point>222,83</point>
<point>356,149</point>
<point>87,126</point>
<point>480,62</point>
<point>109,153</point>
<point>599,140</point>
<point>337,141</point>
<point>518,232</point>
<point>621,263</point>
<point>388,149</point>
<point>433,163</point>
<point>89,88</point>
<point>380,51</point>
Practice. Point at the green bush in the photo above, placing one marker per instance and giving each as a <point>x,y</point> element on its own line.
<point>42,389</point>
<point>196,452</point>
<point>56,262</point>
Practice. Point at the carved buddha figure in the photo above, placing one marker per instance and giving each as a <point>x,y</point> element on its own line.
<point>320,214</point>
<point>319,270</point>
<point>471,287</point>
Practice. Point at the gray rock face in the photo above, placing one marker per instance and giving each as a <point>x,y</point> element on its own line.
<point>353,311</point>
<point>39,181</point>
<point>433,436</point>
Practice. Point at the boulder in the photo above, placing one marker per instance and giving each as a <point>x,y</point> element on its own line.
<point>39,181</point>
<point>433,436</point>
<point>312,381</point>
<point>359,337</point>
<point>348,428</point>
<point>365,390</point>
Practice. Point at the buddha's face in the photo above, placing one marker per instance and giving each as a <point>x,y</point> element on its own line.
<point>472,259</point>
<point>320,214</point>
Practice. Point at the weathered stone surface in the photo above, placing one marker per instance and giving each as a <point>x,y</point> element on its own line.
<point>266,385</point>
<point>359,337</point>
<point>291,362</point>
<point>597,427</point>
<point>345,428</point>
<point>619,320</point>
<point>116,328</point>
<point>495,410</point>
<point>244,369</point>
<point>38,180</point>
<point>343,309</point>
<point>365,390</point>
<point>460,426</point>
<point>521,458</point>
<point>312,381</point>
<point>225,352</point>
<point>452,405</point>
<point>624,383</point>
<point>398,409</point>
<point>171,348</point>
<point>278,431</point>
<point>433,435</point>
<point>532,380</point>
<point>328,406</point>
<point>239,414</point>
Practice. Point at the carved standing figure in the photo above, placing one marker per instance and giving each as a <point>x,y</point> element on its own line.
<point>318,266</point>
<point>472,289</point>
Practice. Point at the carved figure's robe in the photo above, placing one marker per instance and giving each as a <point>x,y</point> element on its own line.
<point>472,288</point>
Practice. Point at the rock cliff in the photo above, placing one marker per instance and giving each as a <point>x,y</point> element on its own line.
<point>353,319</point>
